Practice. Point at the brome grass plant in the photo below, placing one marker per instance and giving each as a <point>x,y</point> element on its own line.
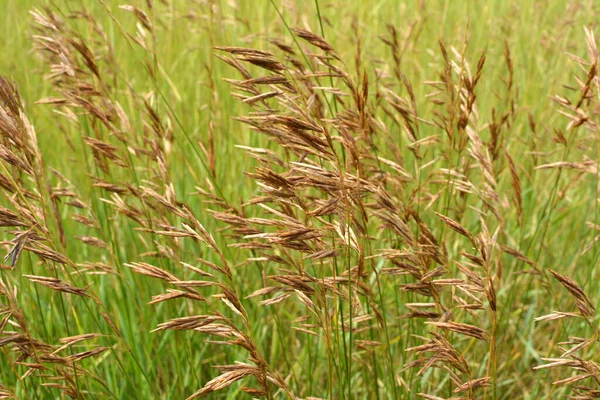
<point>304,200</point>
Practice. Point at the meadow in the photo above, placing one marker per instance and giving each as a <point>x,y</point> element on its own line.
<point>299,199</point>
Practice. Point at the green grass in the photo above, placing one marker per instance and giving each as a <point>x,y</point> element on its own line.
<point>194,103</point>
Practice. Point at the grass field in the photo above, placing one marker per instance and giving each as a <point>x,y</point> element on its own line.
<point>299,199</point>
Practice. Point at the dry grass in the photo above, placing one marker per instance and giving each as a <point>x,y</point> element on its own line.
<point>395,238</point>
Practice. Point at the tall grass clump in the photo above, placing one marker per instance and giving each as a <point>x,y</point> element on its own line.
<point>296,200</point>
